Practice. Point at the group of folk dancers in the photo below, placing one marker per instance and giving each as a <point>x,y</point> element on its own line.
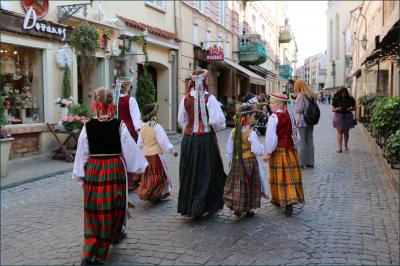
<point>116,149</point>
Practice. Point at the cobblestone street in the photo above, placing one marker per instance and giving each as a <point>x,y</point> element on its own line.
<point>351,216</point>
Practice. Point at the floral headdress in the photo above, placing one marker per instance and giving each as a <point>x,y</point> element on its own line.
<point>198,84</point>
<point>118,87</point>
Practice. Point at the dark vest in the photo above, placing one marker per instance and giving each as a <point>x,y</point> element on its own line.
<point>104,137</point>
<point>125,115</point>
<point>284,131</point>
<point>189,107</point>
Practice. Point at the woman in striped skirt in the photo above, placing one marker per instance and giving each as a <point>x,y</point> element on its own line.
<point>155,184</point>
<point>106,153</point>
<point>285,175</point>
<point>242,192</point>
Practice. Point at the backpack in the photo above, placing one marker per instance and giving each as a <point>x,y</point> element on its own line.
<point>312,114</point>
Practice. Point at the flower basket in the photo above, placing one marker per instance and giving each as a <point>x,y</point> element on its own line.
<point>72,123</point>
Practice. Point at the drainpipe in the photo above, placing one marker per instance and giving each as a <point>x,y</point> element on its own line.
<point>175,72</point>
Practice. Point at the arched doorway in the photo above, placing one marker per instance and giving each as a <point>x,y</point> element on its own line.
<point>162,82</point>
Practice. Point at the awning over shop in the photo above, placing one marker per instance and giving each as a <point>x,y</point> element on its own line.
<point>388,47</point>
<point>254,78</point>
<point>265,73</point>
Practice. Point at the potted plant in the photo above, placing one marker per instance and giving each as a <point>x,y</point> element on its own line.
<point>5,139</point>
<point>74,123</point>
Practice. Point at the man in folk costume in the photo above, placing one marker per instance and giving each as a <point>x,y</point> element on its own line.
<point>242,191</point>
<point>128,112</point>
<point>155,182</point>
<point>285,175</point>
<point>201,171</point>
<point>106,152</point>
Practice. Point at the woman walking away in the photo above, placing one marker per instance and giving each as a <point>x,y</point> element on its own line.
<point>242,193</point>
<point>343,105</point>
<point>306,145</point>
<point>128,112</point>
<point>285,176</point>
<point>155,184</point>
<point>106,153</point>
<point>201,171</point>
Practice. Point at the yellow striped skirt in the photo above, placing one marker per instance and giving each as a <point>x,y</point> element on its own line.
<point>285,177</point>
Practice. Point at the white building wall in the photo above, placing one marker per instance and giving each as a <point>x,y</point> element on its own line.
<point>338,18</point>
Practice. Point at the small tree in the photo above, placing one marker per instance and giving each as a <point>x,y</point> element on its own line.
<point>145,92</point>
<point>66,83</point>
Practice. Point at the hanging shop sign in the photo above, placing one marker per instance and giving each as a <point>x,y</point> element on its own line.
<point>41,7</point>
<point>215,54</point>
<point>285,71</point>
<point>30,22</point>
<point>34,27</point>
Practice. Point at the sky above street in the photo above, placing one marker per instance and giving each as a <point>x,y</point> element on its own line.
<point>308,21</point>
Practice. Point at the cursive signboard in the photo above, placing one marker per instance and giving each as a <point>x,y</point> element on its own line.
<point>32,26</point>
<point>215,54</point>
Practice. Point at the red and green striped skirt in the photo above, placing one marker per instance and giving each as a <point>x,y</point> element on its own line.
<point>153,180</point>
<point>239,195</point>
<point>104,204</point>
<point>285,177</point>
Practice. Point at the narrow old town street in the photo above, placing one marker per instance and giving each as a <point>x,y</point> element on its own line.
<point>351,216</point>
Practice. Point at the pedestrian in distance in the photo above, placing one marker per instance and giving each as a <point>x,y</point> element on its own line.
<point>155,183</point>
<point>306,131</point>
<point>242,192</point>
<point>106,153</point>
<point>329,96</point>
<point>128,112</point>
<point>285,175</point>
<point>342,105</point>
<point>201,171</point>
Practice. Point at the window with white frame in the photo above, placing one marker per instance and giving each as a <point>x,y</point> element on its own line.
<point>195,34</point>
<point>219,40</point>
<point>227,51</point>
<point>222,12</point>
<point>200,6</point>
<point>157,4</point>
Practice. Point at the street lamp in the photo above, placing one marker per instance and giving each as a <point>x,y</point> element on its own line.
<point>363,41</point>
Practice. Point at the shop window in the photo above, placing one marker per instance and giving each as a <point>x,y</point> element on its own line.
<point>21,82</point>
<point>157,4</point>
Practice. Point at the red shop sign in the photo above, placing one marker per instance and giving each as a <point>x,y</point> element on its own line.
<point>215,54</point>
<point>41,7</point>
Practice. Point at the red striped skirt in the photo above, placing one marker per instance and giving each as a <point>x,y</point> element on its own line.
<point>104,204</point>
<point>153,180</point>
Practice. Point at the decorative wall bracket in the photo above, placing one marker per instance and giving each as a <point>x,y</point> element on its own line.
<point>66,11</point>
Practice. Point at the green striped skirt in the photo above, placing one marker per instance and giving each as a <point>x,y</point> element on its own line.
<point>104,204</point>
<point>243,195</point>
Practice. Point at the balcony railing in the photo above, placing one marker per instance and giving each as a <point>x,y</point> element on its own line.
<point>252,50</point>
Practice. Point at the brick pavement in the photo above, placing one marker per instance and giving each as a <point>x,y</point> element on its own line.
<point>350,217</point>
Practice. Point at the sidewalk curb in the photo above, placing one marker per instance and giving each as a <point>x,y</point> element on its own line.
<point>33,179</point>
<point>389,172</point>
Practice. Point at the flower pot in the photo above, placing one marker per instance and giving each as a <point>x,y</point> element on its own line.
<point>5,147</point>
<point>76,130</point>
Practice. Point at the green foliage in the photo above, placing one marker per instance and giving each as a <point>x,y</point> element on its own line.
<point>392,147</point>
<point>385,117</point>
<point>85,40</point>
<point>79,110</point>
<point>127,47</point>
<point>145,92</point>
<point>66,83</point>
<point>3,119</point>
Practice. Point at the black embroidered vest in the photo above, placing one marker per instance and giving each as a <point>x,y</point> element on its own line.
<point>104,137</point>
